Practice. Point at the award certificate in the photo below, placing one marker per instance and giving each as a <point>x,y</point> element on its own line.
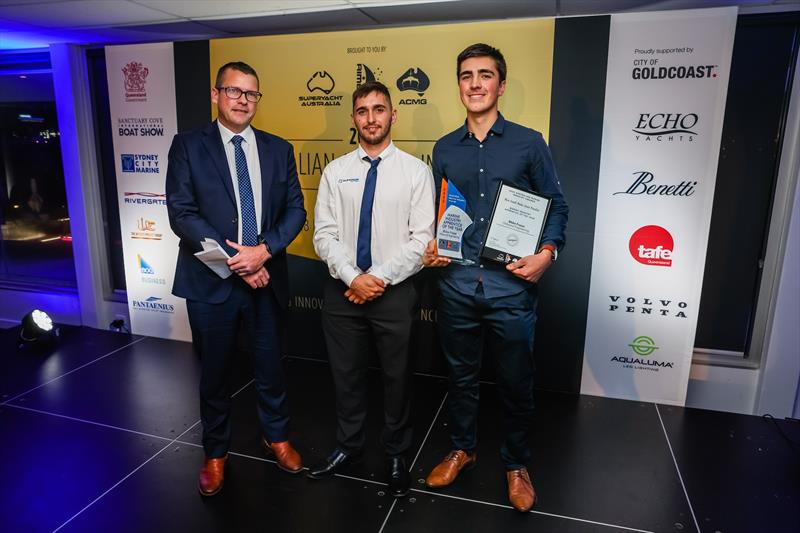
<point>451,223</point>
<point>516,225</point>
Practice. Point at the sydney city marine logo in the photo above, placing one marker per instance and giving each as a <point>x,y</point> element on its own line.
<point>135,74</point>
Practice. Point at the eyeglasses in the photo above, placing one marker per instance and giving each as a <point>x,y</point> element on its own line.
<point>234,93</point>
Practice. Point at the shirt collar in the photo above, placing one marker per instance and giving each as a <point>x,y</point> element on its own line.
<point>247,134</point>
<point>387,152</point>
<point>497,128</point>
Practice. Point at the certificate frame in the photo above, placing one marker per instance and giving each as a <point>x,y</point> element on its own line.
<point>516,229</point>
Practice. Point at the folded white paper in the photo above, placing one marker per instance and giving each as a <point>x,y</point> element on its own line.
<point>214,257</point>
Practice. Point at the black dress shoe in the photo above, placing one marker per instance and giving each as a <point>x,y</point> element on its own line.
<point>399,479</point>
<point>335,461</point>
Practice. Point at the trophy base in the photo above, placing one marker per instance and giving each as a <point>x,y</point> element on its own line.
<point>463,262</point>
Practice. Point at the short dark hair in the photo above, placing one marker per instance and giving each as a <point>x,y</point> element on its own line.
<point>371,87</point>
<point>241,66</point>
<point>483,50</point>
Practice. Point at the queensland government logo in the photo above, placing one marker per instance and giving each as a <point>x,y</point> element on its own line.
<point>144,198</point>
<point>643,184</point>
<point>652,245</point>
<point>320,85</point>
<point>140,163</point>
<point>647,305</point>
<point>414,79</point>
<point>135,75</point>
<point>153,304</point>
<point>643,347</point>
<point>146,230</point>
<point>666,127</point>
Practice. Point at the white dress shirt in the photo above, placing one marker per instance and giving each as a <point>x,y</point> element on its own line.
<point>402,215</point>
<point>253,168</point>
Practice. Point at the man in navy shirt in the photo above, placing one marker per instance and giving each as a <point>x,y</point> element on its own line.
<point>486,300</point>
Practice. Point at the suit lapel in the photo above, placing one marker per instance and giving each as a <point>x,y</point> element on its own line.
<point>265,161</point>
<point>213,143</point>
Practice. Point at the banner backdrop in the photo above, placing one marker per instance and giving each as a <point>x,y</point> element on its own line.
<point>141,88</point>
<point>665,100</point>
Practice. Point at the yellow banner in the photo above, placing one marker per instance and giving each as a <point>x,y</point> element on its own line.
<point>308,81</point>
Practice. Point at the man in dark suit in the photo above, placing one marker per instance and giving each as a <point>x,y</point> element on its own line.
<point>237,185</point>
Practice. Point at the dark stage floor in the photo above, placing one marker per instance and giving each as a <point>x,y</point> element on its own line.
<point>103,436</point>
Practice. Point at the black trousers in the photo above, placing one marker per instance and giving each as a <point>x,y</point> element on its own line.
<point>215,330</point>
<point>507,325</point>
<point>348,330</point>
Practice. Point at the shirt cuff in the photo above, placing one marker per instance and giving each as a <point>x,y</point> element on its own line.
<point>348,274</point>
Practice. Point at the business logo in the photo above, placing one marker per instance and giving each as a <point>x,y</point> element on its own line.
<point>144,198</point>
<point>140,127</point>
<point>153,304</point>
<point>414,79</point>
<point>146,230</point>
<point>643,185</point>
<point>148,272</point>
<point>140,163</point>
<point>135,75</point>
<point>643,347</point>
<point>365,74</point>
<point>655,307</point>
<point>320,82</point>
<point>666,127</point>
<point>674,72</point>
<point>652,245</point>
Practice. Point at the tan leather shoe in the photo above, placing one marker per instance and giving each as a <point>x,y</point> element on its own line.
<point>520,490</point>
<point>446,472</point>
<point>212,476</point>
<point>287,457</point>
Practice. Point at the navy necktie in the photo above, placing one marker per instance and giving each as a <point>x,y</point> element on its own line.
<point>364,247</point>
<point>249,224</point>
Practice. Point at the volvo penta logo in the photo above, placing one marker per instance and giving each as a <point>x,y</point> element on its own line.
<point>414,79</point>
<point>646,305</point>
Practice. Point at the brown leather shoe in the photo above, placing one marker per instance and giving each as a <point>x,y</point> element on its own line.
<point>446,472</point>
<point>287,457</point>
<point>212,475</point>
<point>520,490</point>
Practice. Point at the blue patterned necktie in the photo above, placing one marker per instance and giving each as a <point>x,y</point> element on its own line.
<point>249,224</point>
<point>364,247</point>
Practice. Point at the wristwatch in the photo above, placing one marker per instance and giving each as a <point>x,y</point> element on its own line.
<point>553,251</point>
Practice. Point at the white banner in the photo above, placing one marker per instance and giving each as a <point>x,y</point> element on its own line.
<point>666,85</point>
<point>141,88</point>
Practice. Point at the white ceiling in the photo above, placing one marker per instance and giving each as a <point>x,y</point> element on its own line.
<point>37,23</point>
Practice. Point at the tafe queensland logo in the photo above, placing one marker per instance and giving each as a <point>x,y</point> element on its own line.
<point>414,79</point>
<point>652,245</point>
<point>135,76</point>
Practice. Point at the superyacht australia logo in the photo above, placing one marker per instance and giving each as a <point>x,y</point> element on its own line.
<point>645,184</point>
<point>140,127</point>
<point>652,245</point>
<point>365,74</point>
<point>140,163</point>
<point>135,78</point>
<point>144,198</point>
<point>320,85</point>
<point>146,230</point>
<point>153,304</point>
<point>148,273</point>
<point>647,305</point>
<point>643,348</point>
<point>666,127</point>
<point>415,80</point>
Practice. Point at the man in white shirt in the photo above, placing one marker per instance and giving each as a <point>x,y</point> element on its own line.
<point>373,219</point>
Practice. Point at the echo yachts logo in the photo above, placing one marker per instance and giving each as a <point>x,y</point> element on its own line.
<point>652,245</point>
<point>666,127</point>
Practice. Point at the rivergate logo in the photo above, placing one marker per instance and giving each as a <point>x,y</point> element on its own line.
<point>652,245</point>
